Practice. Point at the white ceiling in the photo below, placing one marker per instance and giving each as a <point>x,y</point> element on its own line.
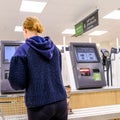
<point>59,15</point>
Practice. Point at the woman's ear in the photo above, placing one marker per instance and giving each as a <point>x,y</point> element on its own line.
<point>25,30</point>
<point>25,33</point>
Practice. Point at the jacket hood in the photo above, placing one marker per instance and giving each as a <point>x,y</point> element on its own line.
<point>42,45</point>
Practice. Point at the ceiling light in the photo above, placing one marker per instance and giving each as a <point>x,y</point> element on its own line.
<point>69,31</point>
<point>113,15</point>
<point>18,29</point>
<point>97,33</point>
<point>32,6</point>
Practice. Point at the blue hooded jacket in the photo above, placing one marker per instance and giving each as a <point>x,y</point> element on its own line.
<point>44,46</point>
<point>36,67</point>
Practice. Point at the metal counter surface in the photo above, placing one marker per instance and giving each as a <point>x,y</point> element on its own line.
<point>96,113</point>
<point>95,90</point>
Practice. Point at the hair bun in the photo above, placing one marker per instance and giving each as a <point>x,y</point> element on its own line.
<point>33,24</point>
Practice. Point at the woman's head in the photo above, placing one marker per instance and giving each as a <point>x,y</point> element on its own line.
<point>32,26</point>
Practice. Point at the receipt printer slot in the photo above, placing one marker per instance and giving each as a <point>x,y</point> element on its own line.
<point>85,71</point>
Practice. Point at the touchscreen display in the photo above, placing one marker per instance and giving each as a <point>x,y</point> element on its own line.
<point>86,54</point>
<point>9,52</point>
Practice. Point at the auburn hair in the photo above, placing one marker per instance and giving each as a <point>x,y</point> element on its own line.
<point>33,24</point>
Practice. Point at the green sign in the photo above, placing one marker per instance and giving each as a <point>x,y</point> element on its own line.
<point>78,29</point>
<point>87,23</point>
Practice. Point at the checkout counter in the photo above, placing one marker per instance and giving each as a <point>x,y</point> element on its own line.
<point>95,104</point>
<point>88,84</point>
<point>89,88</point>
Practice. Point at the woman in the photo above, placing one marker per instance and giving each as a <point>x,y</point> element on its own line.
<point>36,67</point>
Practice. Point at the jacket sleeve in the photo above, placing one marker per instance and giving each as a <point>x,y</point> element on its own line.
<point>18,73</point>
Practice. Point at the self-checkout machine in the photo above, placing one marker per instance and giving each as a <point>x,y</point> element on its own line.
<point>86,65</point>
<point>8,49</point>
<point>8,96</point>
